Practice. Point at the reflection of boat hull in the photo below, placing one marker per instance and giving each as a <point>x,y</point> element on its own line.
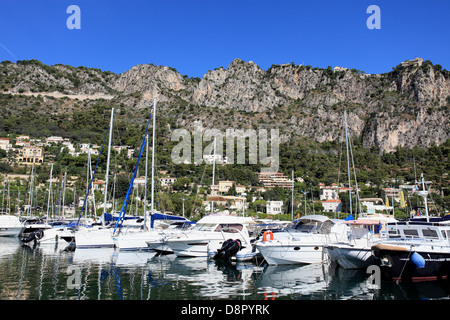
<point>398,263</point>
<point>349,257</point>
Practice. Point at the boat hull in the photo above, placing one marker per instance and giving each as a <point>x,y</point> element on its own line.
<point>294,253</point>
<point>10,231</point>
<point>96,238</point>
<point>398,265</point>
<point>348,257</point>
<point>192,247</point>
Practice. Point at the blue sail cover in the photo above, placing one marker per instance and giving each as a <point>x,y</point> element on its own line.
<point>160,216</point>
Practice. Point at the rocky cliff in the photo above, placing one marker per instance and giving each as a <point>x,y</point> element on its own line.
<point>405,107</point>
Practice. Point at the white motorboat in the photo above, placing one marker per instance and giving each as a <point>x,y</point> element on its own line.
<point>10,226</point>
<point>33,229</point>
<point>303,242</point>
<point>355,252</point>
<point>55,234</point>
<point>209,234</point>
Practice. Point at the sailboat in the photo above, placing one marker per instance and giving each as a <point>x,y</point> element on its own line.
<point>354,251</point>
<point>128,238</point>
<point>96,236</point>
<point>306,241</point>
<point>211,232</point>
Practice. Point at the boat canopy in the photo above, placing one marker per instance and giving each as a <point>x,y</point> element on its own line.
<point>362,222</point>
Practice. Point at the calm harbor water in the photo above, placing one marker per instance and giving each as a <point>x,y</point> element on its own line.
<point>55,273</point>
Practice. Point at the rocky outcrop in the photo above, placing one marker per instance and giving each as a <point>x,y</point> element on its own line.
<point>405,107</point>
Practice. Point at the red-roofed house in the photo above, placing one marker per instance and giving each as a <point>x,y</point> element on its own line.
<point>332,205</point>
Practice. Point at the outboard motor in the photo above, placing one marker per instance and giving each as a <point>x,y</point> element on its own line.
<point>35,235</point>
<point>229,248</point>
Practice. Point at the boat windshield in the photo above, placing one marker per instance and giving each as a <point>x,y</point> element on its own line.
<point>205,227</point>
<point>229,227</point>
<point>310,227</point>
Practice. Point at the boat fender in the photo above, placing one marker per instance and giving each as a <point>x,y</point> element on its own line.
<point>417,260</point>
<point>267,233</point>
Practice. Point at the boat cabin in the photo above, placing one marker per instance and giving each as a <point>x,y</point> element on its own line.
<point>418,230</point>
<point>230,224</point>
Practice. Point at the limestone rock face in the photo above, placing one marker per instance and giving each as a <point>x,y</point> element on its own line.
<point>405,107</point>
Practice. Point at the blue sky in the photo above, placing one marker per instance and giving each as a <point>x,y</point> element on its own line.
<point>195,36</point>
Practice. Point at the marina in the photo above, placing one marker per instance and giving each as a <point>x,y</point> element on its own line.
<point>55,273</point>
<point>62,272</point>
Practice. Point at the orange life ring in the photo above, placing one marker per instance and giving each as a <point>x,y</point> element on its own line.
<point>267,233</point>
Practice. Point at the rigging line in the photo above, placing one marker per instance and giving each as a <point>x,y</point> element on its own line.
<point>92,179</point>
<point>125,203</point>
<point>358,203</point>
<point>196,195</point>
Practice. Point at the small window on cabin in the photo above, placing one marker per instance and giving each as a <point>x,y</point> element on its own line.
<point>411,233</point>
<point>427,233</point>
<point>443,234</point>
<point>393,233</point>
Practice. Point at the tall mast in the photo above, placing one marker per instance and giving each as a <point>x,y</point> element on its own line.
<point>348,163</point>
<point>292,201</point>
<point>214,169</point>
<point>145,189</point>
<point>153,157</point>
<point>107,167</point>
<point>49,191</point>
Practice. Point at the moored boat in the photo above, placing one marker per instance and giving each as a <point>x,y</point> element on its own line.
<point>303,242</point>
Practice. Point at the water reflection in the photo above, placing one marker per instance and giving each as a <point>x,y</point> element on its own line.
<point>60,272</point>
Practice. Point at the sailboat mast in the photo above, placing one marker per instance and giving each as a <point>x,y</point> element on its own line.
<point>348,163</point>
<point>145,189</point>
<point>49,190</point>
<point>107,167</point>
<point>153,157</point>
<point>292,203</point>
<point>214,169</point>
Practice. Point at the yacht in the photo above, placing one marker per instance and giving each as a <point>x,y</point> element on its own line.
<point>10,226</point>
<point>301,243</point>
<point>209,234</point>
<point>415,251</point>
<point>355,251</point>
